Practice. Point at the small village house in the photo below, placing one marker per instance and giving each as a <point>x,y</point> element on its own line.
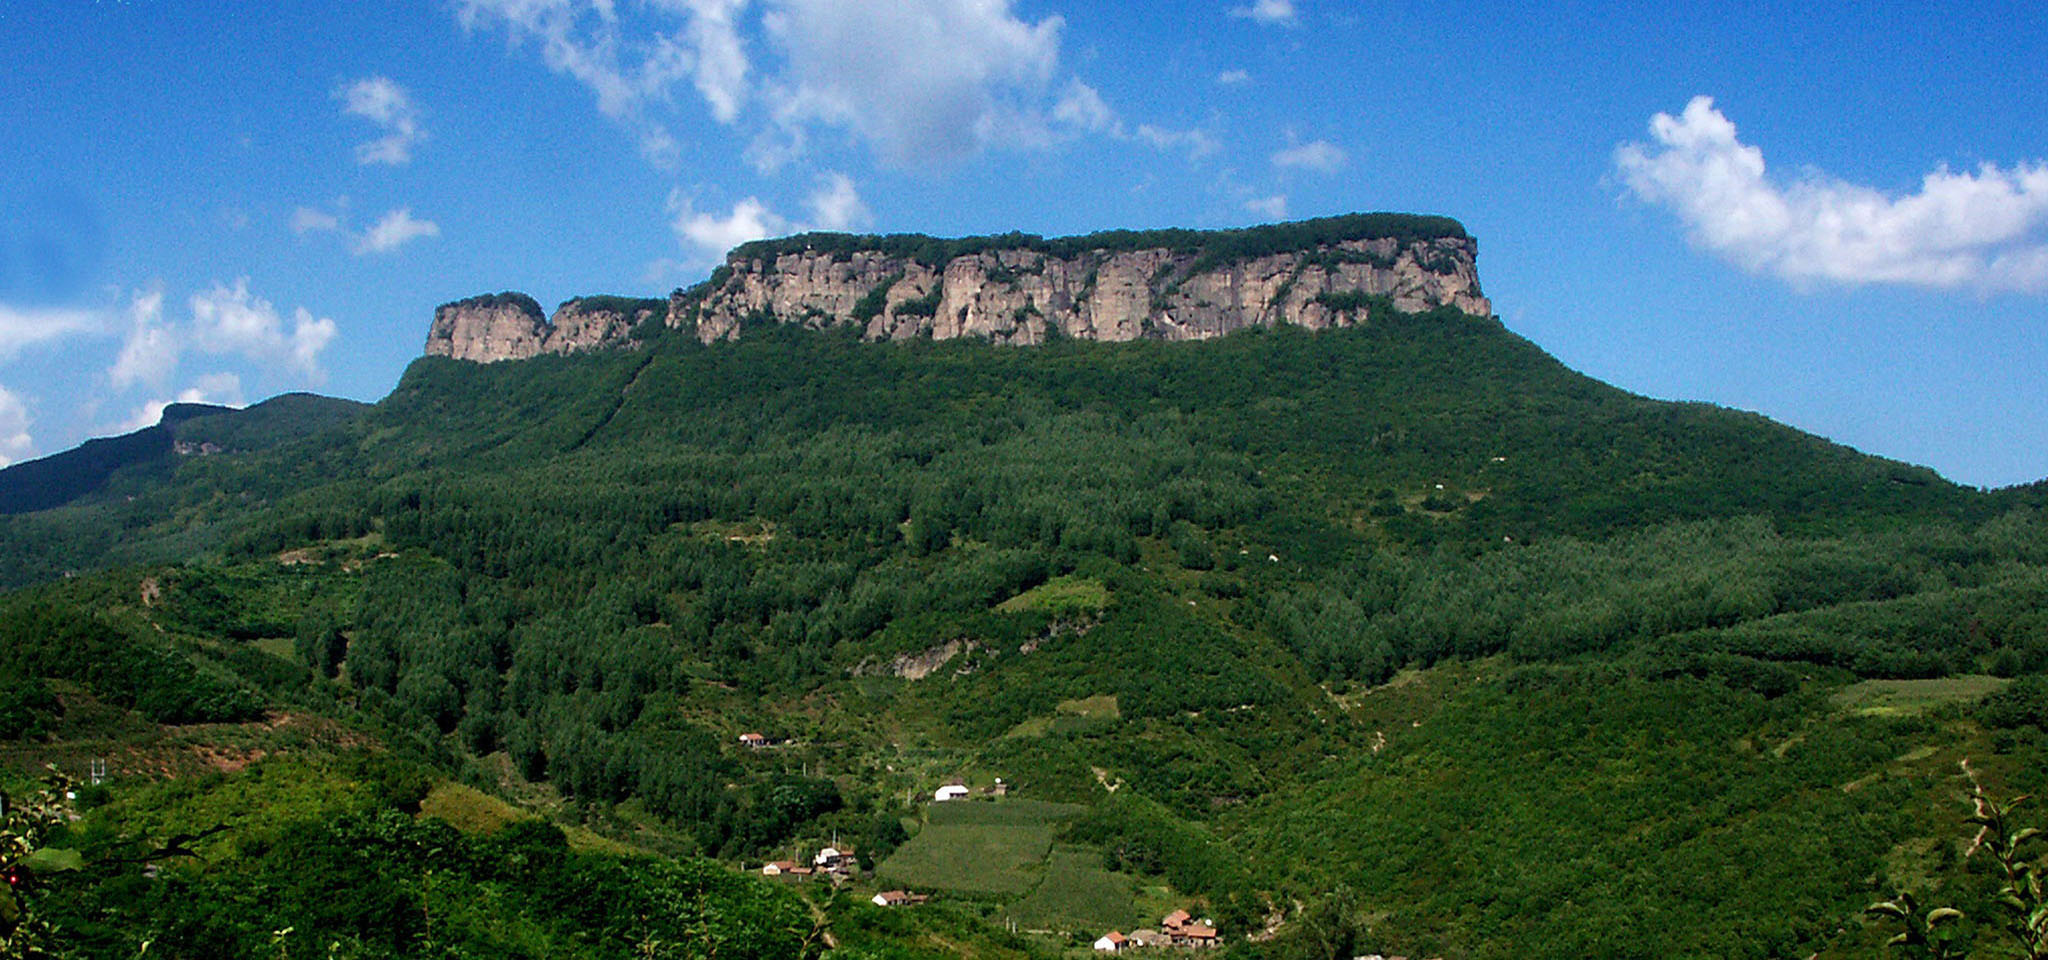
<point>834,859</point>
<point>1111,942</point>
<point>754,740</point>
<point>951,791</point>
<point>897,898</point>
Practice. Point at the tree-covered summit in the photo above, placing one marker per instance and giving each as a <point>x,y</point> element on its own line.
<point>1221,245</point>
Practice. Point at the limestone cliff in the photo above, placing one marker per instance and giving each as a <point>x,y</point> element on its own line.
<point>1016,288</point>
<point>1175,285</point>
<point>510,326</point>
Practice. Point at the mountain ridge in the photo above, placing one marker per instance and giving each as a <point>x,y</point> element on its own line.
<point>1017,288</point>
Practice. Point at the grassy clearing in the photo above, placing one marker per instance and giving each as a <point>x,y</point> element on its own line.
<point>1077,894</point>
<point>473,811</point>
<point>1101,706</point>
<point>469,810</point>
<point>1908,698</point>
<point>978,847</point>
<point>1060,596</point>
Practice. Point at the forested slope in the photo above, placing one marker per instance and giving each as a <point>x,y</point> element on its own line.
<point>1360,624</point>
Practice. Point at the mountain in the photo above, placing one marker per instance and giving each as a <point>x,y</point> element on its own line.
<point>1393,636</point>
<point>185,429</point>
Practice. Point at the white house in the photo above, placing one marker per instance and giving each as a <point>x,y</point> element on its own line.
<point>1111,942</point>
<point>951,791</point>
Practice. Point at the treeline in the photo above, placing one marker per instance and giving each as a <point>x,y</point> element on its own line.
<point>1242,243</point>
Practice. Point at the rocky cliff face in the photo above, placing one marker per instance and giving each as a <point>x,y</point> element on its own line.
<point>1168,284</point>
<point>510,326</point>
<point>1027,292</point>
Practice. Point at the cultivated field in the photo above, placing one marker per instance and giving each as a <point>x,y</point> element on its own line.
<point>978,847</point>
<point>1076,893</point>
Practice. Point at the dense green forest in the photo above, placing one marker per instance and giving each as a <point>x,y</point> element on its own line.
<point>1399,637</point>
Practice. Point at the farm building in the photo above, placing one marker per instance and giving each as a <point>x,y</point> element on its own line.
<point>897,898</point>
<point>951,791</point>
<point>755,740</point>
<point>834,859</point>
<point>1111,942</point>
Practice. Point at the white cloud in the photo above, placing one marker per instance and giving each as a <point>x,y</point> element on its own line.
<point>219,389</point>
<point>22,327</point>
<point>1081,107</point>
<point>231,320</point>
<point>1321,156</point>
<point>15,443</point>
<point>1196,143</point>
<point>386,104</point>
<point>151,351</point>
<point>394,230</point>
<point>836,205</point>
<point>307,220</point>
<point>720,67</point>
<point>1233,78</point>
<point>930,81</point>
<point>1273,207</point>
<point>582,39</point>
<point>1982,230</point>
<point>708,237</point>
<point>1269,12</point>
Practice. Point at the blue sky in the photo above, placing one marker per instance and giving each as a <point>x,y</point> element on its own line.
<point>228,200</point>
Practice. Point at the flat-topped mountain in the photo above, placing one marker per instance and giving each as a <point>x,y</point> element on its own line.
<point>1021,289</point>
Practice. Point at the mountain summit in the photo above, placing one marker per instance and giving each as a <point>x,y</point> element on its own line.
<point>1020,289</point>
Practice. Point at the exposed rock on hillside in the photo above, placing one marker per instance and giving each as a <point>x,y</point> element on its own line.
<point>1175,285</point>
<point>1016,288</point>
<point>510,326</point>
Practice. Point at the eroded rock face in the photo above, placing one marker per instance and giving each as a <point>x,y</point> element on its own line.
<point>487,329</point>
<point>510,326</point>
<point>1022,296</point>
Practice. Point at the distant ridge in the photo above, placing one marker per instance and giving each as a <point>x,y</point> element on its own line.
<point>61,478</point>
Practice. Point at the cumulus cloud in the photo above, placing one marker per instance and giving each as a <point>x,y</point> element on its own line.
<point>1982,230</point>
<point>394,230</point>
<point>719,57</point>
<point>23,327</point>
<point>386,104</point>
<point>836,205</point>
<point>919,82</point>
<point>307,220</point>
<point>1273,207</point>
<point>232,320</point>
<point>151,350</point>
<point>1321,156</point>
<point>1271,13</point>
<point>220,389</point>
<point>15,443</point>
<point>629,75</point>
<point>1233,78</point>
<point>1081,107</point>
<point>708,236</point>
<point>932,80</point>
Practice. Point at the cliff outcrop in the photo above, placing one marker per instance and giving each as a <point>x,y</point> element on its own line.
<point>1017,288</point>
<point>510,326</point>
<point>1170,284</point>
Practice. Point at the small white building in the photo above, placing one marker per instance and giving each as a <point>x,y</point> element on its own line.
<point>1111,942</point>
<point>951,791</point>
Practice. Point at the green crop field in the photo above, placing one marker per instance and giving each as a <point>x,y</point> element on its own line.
<point>1077,894</point>
<point>978,847</point>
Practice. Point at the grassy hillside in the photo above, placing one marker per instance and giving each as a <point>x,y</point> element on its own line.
<point>1405,633</point>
